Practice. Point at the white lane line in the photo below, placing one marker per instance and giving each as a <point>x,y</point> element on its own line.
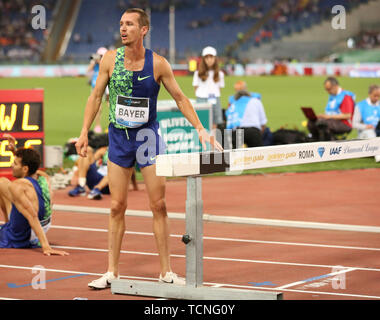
<point>329,275</point>
<point>218,258</point>
<point>205,283</point>
<point>294,244</point>
<point>206,258</point>
<point>4,298</point>
<point>230,219</point>
<point>299,291</point>
<point>289,263</point>
<point>226,239</point>
<point>70,272</point>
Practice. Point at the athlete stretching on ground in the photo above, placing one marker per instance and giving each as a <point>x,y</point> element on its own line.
<point>25,203</point>
<point>133,75</point>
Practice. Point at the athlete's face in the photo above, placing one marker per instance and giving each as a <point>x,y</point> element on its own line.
<point>130,29</point>
<point>374,96</point>
<point>18,170</point>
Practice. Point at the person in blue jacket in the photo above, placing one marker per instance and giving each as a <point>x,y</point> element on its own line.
<point>337,118</point>
<point>246,112</point>
<point>367,114</point>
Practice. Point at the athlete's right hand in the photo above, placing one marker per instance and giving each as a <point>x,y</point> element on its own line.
<point>81,145</point>
<point>50,252</point>
<point>205,137</point>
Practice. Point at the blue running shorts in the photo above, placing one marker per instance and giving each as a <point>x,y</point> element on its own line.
<point>93,177</point>
<point>139,145</point>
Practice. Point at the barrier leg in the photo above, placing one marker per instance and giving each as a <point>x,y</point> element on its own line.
<point>194,232</point>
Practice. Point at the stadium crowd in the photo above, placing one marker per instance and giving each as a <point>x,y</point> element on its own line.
<point>367,40</point>
<point>18,40</point>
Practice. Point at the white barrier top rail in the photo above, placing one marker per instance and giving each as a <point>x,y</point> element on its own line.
<point>199,163</point>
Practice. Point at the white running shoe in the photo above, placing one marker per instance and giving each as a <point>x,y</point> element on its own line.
<point>103,282</point>
<point>171,277</point>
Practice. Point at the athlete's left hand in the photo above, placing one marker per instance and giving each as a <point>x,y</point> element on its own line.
<point>205,137</point>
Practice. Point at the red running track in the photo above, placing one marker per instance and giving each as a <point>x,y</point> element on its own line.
<point>295,261</point>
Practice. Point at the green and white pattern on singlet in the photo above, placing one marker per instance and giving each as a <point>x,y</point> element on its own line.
<point>46,221</point>
<point>46,196</point>
<point>121,83</point>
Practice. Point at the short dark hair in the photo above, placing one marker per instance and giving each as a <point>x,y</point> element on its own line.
<point>143,17</point>
<point>373,88</point>
<point>332,80</point>
<point>30,158</point>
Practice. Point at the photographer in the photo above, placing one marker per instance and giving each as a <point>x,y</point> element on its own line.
<point>93,68</point>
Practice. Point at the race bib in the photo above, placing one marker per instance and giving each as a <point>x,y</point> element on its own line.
<point>131,112</point>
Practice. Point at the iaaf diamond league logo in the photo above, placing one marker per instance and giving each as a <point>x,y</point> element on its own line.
<point>321,151</point>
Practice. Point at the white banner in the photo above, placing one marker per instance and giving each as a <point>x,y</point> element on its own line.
<point>290,154</point>
<point>185,164</point>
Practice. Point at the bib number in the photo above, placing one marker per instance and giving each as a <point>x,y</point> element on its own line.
<point>131,112</point>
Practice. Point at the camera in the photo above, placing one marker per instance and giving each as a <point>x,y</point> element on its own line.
<point>95,57</point>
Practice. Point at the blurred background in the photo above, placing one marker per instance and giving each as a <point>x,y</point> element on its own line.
<point>249,31</point>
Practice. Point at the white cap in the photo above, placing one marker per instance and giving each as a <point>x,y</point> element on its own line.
<point>209,51</point>
<point>101,51</point>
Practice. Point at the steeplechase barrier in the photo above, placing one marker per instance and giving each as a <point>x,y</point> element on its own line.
<point>193,166</point>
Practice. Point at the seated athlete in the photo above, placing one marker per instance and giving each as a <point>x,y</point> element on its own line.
<point>26,203</point>
<point>92,172</point>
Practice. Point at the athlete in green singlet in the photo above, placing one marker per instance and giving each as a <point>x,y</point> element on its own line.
<point>134,75</point>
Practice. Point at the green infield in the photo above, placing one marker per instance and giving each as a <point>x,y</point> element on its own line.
<point>282,96</point>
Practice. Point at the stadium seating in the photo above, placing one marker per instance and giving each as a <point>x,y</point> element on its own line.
<point>198,23</point>
<point>19,42</point>
<point>103,29</point>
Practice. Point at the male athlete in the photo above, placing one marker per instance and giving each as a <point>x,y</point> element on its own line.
<point>25,203</point>
<point>134,75</point>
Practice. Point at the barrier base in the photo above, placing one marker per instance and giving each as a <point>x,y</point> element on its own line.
<point>187,292</point>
